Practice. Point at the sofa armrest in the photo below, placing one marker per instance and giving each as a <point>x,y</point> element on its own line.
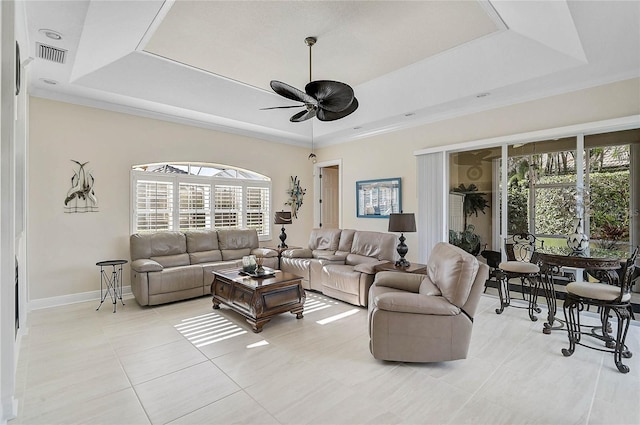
<point>144,265</point>
<point>407,302</point>
<point>298,253</point>
<point>368,268</point>
<point>264,252</point>
<point>409,282</point>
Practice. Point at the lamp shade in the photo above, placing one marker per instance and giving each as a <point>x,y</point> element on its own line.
<point>282,217</point>
<point>402,222</point>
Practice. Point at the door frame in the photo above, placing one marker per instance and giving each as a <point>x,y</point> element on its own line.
<point>316,190</point>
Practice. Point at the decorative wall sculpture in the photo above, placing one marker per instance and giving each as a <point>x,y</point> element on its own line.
<point>81,197</point>
<point>296,193</point>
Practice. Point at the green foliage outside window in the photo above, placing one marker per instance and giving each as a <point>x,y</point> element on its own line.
<point>608,206</point>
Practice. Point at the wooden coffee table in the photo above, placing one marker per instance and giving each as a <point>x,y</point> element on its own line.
<point>258,299</point>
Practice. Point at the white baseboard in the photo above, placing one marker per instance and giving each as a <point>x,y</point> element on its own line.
<point>41,303</point>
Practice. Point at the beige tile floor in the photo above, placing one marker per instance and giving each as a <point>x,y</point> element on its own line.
<point>184,363</point>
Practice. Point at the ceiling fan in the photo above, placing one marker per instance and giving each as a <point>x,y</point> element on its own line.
<point>325,99</point>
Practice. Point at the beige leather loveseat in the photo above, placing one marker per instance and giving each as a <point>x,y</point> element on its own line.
<point>427,318</point>
<point>340,263</point>
<point>171,266</point>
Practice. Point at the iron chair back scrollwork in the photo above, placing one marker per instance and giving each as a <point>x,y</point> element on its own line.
<point>612,296</point>
<point>521,263</point>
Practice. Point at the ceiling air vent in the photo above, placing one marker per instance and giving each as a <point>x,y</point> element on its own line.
<point>51,53</point>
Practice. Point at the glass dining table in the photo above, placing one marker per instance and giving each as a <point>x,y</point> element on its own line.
<point>600,264</point>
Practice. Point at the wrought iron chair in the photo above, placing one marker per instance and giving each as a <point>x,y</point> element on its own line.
<point>612,296</point>
<point>521,264</point>
<point>493,261</point>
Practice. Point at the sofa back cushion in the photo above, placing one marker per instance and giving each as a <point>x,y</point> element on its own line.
<point>202,246</point>
<point>148,245</point>
<point>346,240</point>
<point>453,271</point>
<point>375,245</point>
<point>324,239</point>
<point>236,243</point>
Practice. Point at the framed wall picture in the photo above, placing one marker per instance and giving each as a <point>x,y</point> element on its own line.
<point>378,198</point>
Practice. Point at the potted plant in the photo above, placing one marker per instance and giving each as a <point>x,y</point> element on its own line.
<point>466,239</point>
<point>474,202</point>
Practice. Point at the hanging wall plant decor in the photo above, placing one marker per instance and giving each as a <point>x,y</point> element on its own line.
<point>81,197</point>
<point>296,193</point>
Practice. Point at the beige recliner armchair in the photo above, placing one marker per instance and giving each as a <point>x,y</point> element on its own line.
<point>426,318</point>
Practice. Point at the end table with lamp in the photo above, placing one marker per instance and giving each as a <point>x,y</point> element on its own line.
<point>282,218</point>
<point>402,222</point>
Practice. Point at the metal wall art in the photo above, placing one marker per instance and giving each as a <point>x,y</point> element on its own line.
<point>296,193</point>
<point>81,197</point>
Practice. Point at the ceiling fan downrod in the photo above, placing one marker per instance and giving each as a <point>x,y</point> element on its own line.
<point>310,41</point>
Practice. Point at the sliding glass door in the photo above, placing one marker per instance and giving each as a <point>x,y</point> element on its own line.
<point>545,186</point>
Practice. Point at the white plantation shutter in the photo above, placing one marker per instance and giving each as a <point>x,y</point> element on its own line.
<point>258,209</point>
<point>194,206</point>
<point>181,196</point>
<point>154,206</point>
<point>227,207</point>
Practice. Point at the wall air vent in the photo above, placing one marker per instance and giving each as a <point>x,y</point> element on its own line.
<point>51,53</point>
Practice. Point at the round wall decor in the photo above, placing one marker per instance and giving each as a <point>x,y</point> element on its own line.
<point>474,172</point>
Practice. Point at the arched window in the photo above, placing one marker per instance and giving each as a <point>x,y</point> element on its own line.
<point>189,196</point>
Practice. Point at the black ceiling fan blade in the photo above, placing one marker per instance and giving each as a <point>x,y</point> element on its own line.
<point>282,107</point>
<point>290,92</point>
<point>332,96</point>
<point>324,115</point>
<point>303,115</point>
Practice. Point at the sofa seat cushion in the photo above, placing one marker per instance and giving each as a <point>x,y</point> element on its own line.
<point>172,260</point>
<point>368,267</point>
<point>453,271</point>
<point>264,252</point>
<point>297,253</point>
<point>407,302</point>
<point>341,277</point>
<point>175,279</point>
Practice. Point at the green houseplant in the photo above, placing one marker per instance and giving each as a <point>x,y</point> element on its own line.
<point>474,202</point>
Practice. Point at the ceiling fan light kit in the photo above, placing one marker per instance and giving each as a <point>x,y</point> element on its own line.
<point>325,99</point>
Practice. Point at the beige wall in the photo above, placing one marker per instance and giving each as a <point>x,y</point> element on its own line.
<point>63,248</point>
<point>391,155</point>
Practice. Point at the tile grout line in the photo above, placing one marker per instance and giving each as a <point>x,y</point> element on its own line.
<point>595,390</point>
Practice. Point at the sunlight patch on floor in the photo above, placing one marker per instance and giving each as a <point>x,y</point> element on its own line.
<point>338,317</point>
<point>316,302</point>
<point>208,329</point>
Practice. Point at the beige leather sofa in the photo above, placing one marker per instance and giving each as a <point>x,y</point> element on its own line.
<point>340,263</point>
<point>426,318</point>
<point>172,266</point>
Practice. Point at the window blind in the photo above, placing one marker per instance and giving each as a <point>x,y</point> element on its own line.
<point>194,206</point>
<point>258,209</point>
<point>228,206</point>
<point>154,206</point>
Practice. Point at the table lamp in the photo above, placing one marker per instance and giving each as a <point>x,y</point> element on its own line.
<point>402,222</point>
<point>282,217</point>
